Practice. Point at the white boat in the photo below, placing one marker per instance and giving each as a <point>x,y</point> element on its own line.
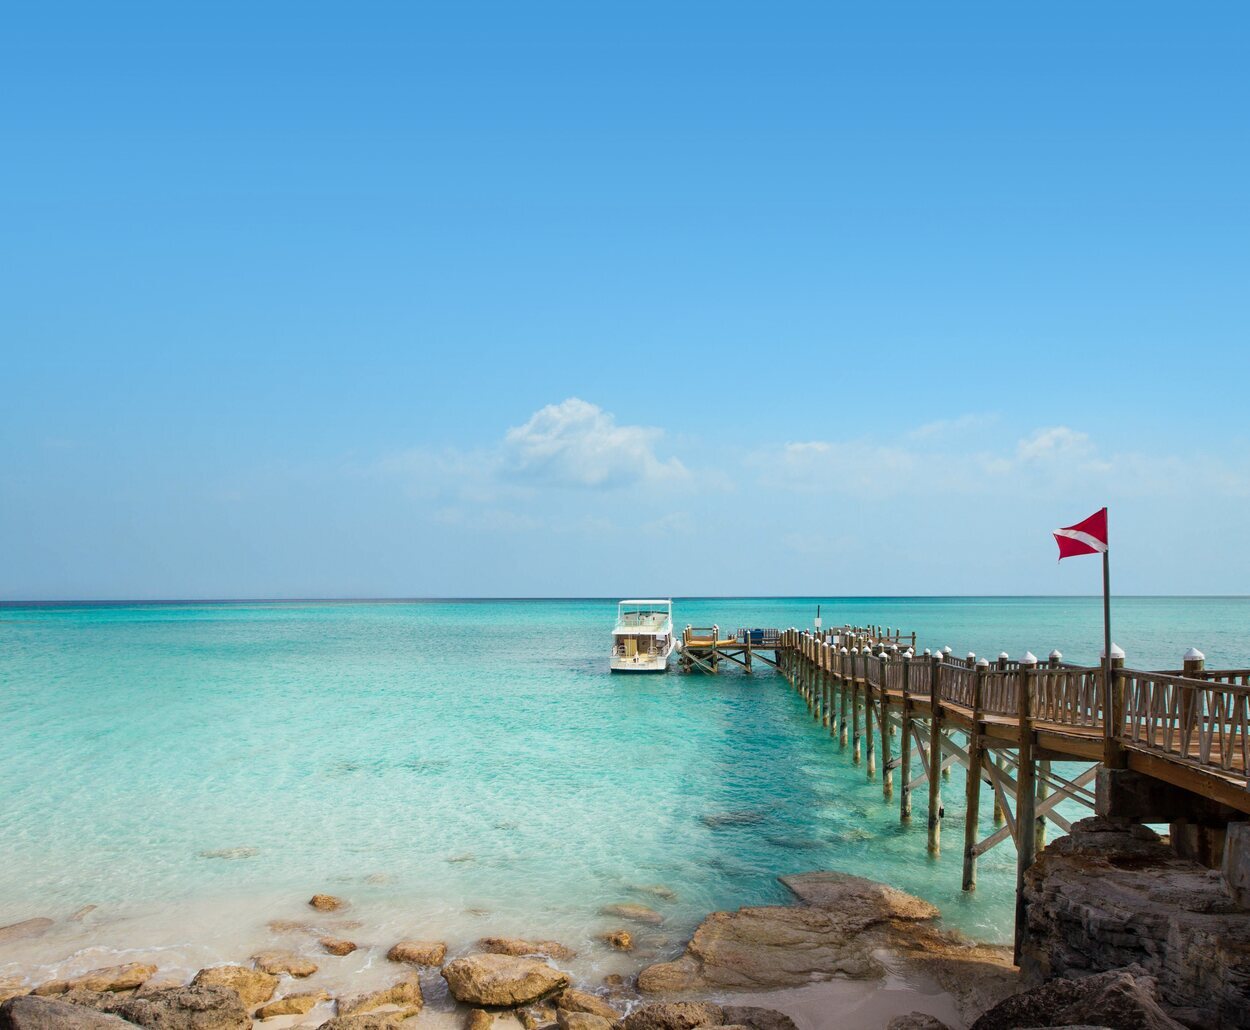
<point>642,639</point>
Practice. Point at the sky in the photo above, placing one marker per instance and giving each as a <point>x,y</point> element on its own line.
<point>412,300</point>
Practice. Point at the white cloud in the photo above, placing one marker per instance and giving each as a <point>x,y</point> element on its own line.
<point>578,444</point>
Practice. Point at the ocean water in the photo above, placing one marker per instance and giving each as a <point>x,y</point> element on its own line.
<point>461,768</point>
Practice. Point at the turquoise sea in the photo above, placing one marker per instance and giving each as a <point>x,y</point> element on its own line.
<point>470,766</point>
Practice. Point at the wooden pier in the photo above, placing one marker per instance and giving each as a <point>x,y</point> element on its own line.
<point>704,648</point>
<point>1034,733</point>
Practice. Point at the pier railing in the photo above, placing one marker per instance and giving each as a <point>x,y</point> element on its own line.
<point>1196,718</point>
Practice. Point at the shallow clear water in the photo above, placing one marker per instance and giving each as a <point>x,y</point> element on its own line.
<point>463,767</point>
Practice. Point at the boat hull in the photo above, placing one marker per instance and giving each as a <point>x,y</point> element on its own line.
<point>635,665</point>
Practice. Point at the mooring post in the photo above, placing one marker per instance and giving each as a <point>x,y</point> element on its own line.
<point>870,740</point>
<point>1026,789</point>
<point>935,755</point>
<point>857,748</point>
<point>904,747</point>
<point>843,695</point>
<point>883,724</point>
<point>972,799</point>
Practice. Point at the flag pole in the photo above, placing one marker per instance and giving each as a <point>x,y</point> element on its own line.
<point>1110,715</point>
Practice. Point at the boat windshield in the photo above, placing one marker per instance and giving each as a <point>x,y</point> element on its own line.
<point>643,614</point>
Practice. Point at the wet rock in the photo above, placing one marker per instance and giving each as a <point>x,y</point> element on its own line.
<point>634,913</point>
<point>109,979</point>
<point>746,818</point>
<point>367,1021</point>
<point>231,854</point>
<point>34,1013</point>
<point>1119,999</point>
<point>405,994</point>
<point>534,1016</point>
<point>12,987</point>
<point>758,1018</point>
<point>206,1007</point>
<point>293,1004</point>
<point>674,1015</point>
<point>840,925</point>
<point>619,940</point>
<point>573,1000</point>
<point>519,946</point>
<point>567,1020</point>
<point>326,902</point>
<point>284,962</point>
<point>656,890</point>
<point>418,953</point>
<point>505,980</point>
<point>337,945</point>
<point>290,926</point>
<point>26,928</point>
<point>916,1021</point>
<point>479,1019</point>
<point>253,986</point>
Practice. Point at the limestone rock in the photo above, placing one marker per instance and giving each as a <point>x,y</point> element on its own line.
<point>34,1013</point>
<point>572,1000</point>
<point>508,980</point>
<point>855,896</point>
<point>634,913</point>
<point>12,987</point>
<point>326,902</point>
<point>293,1004</point>
<point>206,1007</point>
<point>479,1019</point>
<point>758,1018</point>
<point>619,940</point>
<point>290,926</point>
<point>253,986</point>
<point>519,946</point>
<point>674,1015</point>
<point>26,928</point>
<point>367,1021</point>
<point>419,953</point>
<point>1103,898</point>
<point>111,978</point>
<point>404,994</point>
<point>534,1016</point>
<point>916,1021</point>
<point>280,962</point>
<point>337,945</point>
<point>582,1021</point>
<point>1117,999</point>
<point>157,984</point>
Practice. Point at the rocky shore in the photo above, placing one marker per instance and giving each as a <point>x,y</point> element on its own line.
<point>1121,933</point>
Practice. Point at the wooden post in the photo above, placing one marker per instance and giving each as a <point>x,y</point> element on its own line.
<point>972,800</point>
<point>843,696</point>
<point>883,724</point>
<point>868,714</point>
<point>904,746</point>
<point>856,752</point>
<point>1001,665</point>
<point>1113,713</point>
<point>1026,790</point>
<point>935,756</point>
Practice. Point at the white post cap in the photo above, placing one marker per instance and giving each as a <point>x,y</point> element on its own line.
<point>907,653</point>
<point>844,650</point>
<point>1003,654</point>
<point>854,650</point>
<point>1194,655</point>
<point>972,654</point>
<point>984,663</point>
<point>927,652</point>
<point>1116,651</point>
<point>1057,655</point>
<point>1029,658</point>
<point>946,649</point>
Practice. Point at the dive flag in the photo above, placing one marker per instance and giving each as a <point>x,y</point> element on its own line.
<point>1087,537</point>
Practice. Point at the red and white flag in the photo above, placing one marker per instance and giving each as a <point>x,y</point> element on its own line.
<point>1087,537</point>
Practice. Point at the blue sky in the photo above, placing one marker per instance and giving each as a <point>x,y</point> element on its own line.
<point>568,299</point>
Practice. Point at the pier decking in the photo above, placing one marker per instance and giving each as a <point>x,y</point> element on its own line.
<point>1009,723</point>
